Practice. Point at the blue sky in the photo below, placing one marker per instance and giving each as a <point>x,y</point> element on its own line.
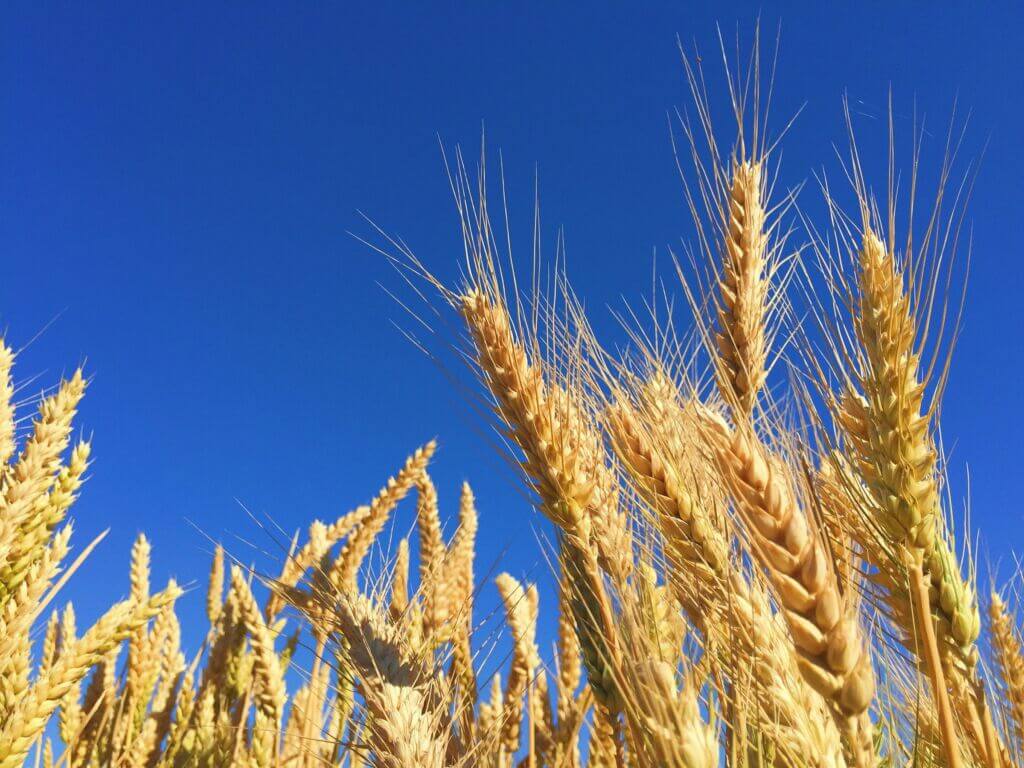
<point>178,180</point>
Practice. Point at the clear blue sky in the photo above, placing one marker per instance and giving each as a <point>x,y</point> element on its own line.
<point>177,181</point>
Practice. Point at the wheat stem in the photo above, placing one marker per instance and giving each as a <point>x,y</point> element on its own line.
<point>947,725</point>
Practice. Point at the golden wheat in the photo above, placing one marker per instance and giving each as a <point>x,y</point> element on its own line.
<point>748,573</point>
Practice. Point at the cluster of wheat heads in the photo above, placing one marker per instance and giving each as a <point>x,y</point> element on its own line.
<point>393,673</point>
<point>800,538</point>
<point>748,575</point>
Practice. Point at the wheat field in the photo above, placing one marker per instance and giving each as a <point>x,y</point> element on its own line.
<point>758,559</point>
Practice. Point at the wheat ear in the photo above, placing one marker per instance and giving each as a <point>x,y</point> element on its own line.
<point>823,622</point>
<point>458,589</point>
<point>743,288</point>
<point>33,472</point>
<point>404,725</point>
<point>138,650</point>
<point>1008,655</point>
<point>432,556</point>
<point>890,431</point>
<point>25,515</point>
<point>666,723</point>
<point>559,450</point>
<point>521,615</point>
<point>270,693</point>
<point>215,586</point>
<point>698,549</point>
<point>343,575</point>
<point>890,435</point>
<point>654,444</point>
